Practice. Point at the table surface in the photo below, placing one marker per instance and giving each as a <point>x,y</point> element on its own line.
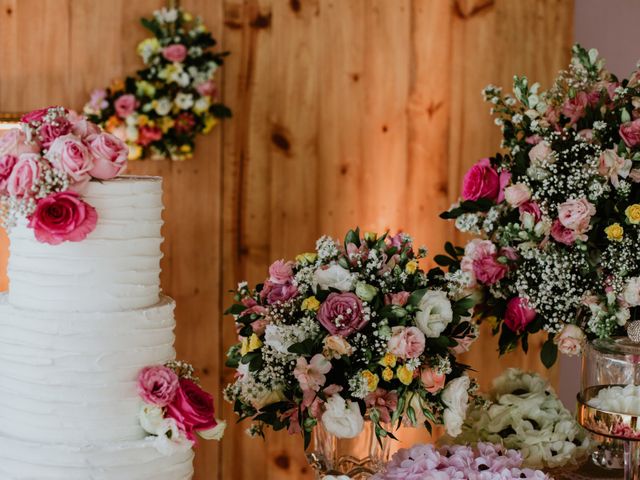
<point>588,471</point>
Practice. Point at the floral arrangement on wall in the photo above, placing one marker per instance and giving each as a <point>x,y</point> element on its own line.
<point>160,111</point>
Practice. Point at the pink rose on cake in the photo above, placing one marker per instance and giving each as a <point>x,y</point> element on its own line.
<point>49,131</point>
<point>62,216</point>
<point>14,142</point>
<point>109,155</point>
<point>71,156</point>
<point>192,409</point>
<point>158,385</point>
<point>24,175</point>
<point>7,162</point>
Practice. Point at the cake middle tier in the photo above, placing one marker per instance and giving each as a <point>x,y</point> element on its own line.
<point>71,377</point>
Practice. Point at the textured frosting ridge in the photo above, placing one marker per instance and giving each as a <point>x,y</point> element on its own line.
<point>117,267</point>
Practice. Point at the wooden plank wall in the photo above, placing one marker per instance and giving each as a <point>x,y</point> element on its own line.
<point>346,112</point>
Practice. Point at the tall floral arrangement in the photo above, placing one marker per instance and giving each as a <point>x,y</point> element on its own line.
<point>159,112</point>
<point>45,166</point>
<point>557,211</point>
<point>353,331</point>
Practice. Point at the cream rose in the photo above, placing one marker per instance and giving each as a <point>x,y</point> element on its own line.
<point>342,418</point>
<point>631,292</point>
<point>333,276</point>
<point>517,194</point>
<point>336,346</point>
<point>455,396</point>
<point>570,340</point>
<point>435,313</point>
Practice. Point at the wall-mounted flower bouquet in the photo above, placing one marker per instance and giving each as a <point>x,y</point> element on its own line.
<point>558,211</point>
<point>159,112</point>
<point>354,331</point>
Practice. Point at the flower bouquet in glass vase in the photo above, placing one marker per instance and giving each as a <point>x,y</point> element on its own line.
<point>345,344</point>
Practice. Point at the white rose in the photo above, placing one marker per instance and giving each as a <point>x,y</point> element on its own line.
<point>152,419</point>
<point>632,292</point>
<point>171,440</point>
<point>274,338</point>
<point>334,276</point>
<point>435,313</point>
<point>455,396</point>
<point>570,340</point>
<point>215,433</point>
<point>202,105</point>
<point>341,418</point>
<point>517,194</point>
<point>163,106</point>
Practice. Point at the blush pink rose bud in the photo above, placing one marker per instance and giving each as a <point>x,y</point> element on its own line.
<point>157,385</point>
<point>62,216</point>
<point>342,314</point>
<point>24,176</point>
<point>109,156</point>
<point>406,342</point>
<point>576,214</point>
<point>481,181</point>
<point>192,409</point>
<point>7,162</point>
<point>570,340</point>
<point>175,52</point>
<point>125,105</point>
<point>517,194</point>
<point>71,156</point>
<point>432,381</point>
<point>518,315</point>
<point>281,272</point>
<point>630,133</point>
<point>399,298</point>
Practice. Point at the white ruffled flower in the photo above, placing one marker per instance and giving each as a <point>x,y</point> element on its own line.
<point>435,313</point>
<point>202,105</point>
<point>334,276</point>
<point>163,106</point>
<point>152,419</point>
<point>456,398</point>
<point>215,433</point>
<point>274,337</point>
<point>184,101</point>
<point>342,418</point>
<point>171,440</point>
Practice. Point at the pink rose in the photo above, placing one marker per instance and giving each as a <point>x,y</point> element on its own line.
<point>34,115</point>
<point>281,272</point>
<point>570,340</point>
<point>540,152</point>
<point>207,89</point>
<point>7,162</point>
<point>630,133</point>
<point>432,381</point>
<point>278,292</point>
<point>406,342</point>
<point>71,156</point>
<point>481,181</point>
<point>384,402</point>
<point>342,314</point>
<point>518,315</point>
<point>576,214</point>
<point>532,209</point>
<point>109,155</point>
<point>517,194</point>
<point>399,298</point>
<point>48,132</point>
<point>612,166</point>
<point>575,108</point>
<point>149,135</point>
<point>125,105</point>
<point>158,385</point>
<point>504,179</point>
<point>14,141</point>
<point>24,176</point>
<point>488,270</point>
<point>62,217</point>
<point>562,234</point>
<point>175,52</point>
<point>192,409</point>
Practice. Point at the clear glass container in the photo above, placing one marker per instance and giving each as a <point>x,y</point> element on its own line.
<point>609,402</point>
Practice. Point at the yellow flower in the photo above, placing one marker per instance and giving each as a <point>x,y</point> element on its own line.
<point>166,123</point>
<point>185,148</point>
<point>244,346</point>
<point>254,342</point>
<point>307,257</point>
<point>143,120</point>
<point>633,213</point>
<point>148,45</point>
<point>310,303</point>
<point>145,88</point>
<point>187,16</point>
<point>614,232</point>
<point>372,380</point>
<point>411,267</point>
<point>387,374</point>
<point>404,374</point>
<point>135,152</point>
<point>116,85</point>
<point>113,122</point>
<point>389,360</point>
<point>209,122</point>
<point>492,321</point>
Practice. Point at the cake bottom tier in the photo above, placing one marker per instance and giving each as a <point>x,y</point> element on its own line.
<point>138,460</point>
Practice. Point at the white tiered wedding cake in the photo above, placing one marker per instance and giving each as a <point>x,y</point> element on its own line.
<point>80,320</point>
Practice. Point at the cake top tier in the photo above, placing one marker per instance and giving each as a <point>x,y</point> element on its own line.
<point>115,268</point>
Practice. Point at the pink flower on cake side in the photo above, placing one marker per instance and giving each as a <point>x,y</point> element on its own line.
<point>62,217</point>
<point>481,181</point>
<point>192,409</point>
<point>125,105</point>
<point>14,142</point>
<point>518,315</point>
<point>24,175</point>
<point>109,156</point>
<point>7,162</point>
<point>157,385</point>
<point>71,156</point>
<point>175,52</point>
<point>342,314</point>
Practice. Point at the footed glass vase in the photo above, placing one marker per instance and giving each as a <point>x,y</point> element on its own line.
<point>358,458</point>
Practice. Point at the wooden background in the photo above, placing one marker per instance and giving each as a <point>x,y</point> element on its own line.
<point>346,112</point>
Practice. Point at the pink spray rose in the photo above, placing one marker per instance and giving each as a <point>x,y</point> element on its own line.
<point>518,315</point>
<point>530,208</point>
<point>406,342</point>
<point>576,214</point>
<point>281,272</point>
<point>125,105</point>
<point>158,385</point>
<point>399,298</point>
<point>7,162</point>
<point>562,234</point>
<point>14,141</point>
<point>62,216</point>
<point>517,194</point>
<point>24,176</point>
<point>207,89</point>
<point>192,409</point>
<point>311,375</point>
<point>384,402</point>
<point>342,314</point>
<point>71,156</point>
<point>175,52</point>
<point>48,132</point>
<point>432,381</point>
<point>481,181</point>
<point>109,155</point>
<point>488,270</point>
<point>630,133</point>
<point>278,292</point>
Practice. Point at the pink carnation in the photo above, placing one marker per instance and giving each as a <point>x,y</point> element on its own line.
<point>158,385</point>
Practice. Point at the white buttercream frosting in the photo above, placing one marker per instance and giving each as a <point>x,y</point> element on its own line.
<point>117,267</point>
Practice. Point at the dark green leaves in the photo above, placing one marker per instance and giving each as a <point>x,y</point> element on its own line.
<point>549,353</point>
<point>468,206</point>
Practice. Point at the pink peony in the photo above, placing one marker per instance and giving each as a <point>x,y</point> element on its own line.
<point>148,135</point>
<point>71,156</point>
<point>109,155</point>
<point>207,89</point>
<point>399,298</point>
<point>406,342</point>
<point>517,194</point>
<point>175,52</point>
<point>576,214</point>
<point>481,181</point>
<point>125,105</point>
<point>384,402</point>
<point>474,250</point>
<point>14,142</point>
<point>562,234</point>
<point>530,208</point>
<point>488,270</point>
<point>192,409</point>
<point>281,272</point>
<point>518,315</point>
<point>612,166</point>
<point>630,133</point>
<point>311,375</point>
<point>432,381</point>
<point>62,217</point>
<point>48,132</point>
<point>342,314</point>
<point>158,385</point>
<point>7,162</point>
<point>24,176</point>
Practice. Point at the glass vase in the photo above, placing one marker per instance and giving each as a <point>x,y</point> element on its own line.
<point>358,458</point>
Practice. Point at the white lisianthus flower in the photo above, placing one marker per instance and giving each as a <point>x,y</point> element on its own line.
<point>215,433</point>
<point>184,101</point>
<point>334,276</point>
<point>171,440</point>
<point>631,292</point>
<point>456,398</point>
<point>435,313</point>
<point>163,106</point>
<point>341,418</point>
<point>152,419</point>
